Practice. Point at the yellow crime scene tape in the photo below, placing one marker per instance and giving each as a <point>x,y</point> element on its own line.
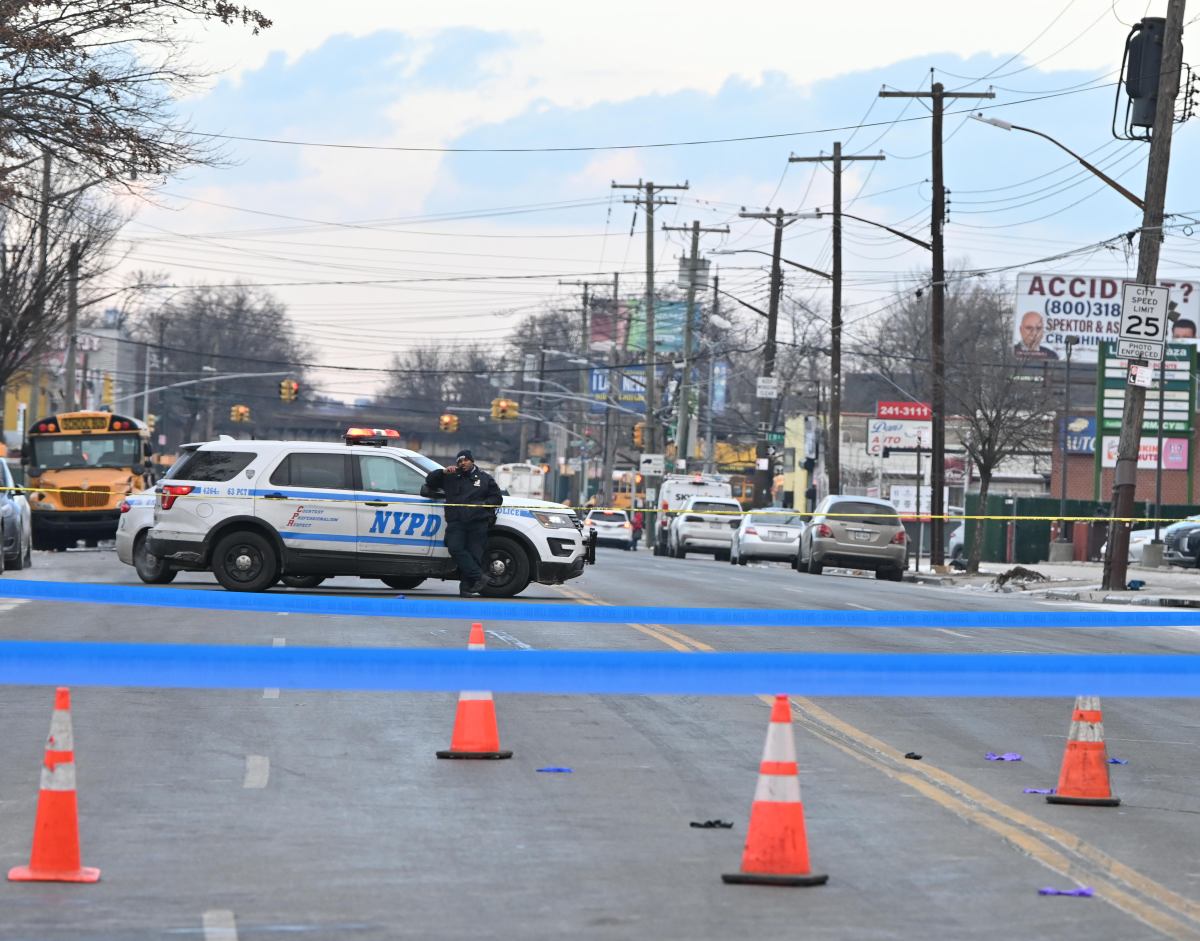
<point>764,511</point>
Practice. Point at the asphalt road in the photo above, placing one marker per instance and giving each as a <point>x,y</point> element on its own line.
<point>262,814</point>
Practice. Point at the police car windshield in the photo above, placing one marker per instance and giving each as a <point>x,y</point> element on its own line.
<point>426,464</point>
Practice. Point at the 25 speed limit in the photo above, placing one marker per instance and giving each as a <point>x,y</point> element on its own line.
<point>1143,312</point>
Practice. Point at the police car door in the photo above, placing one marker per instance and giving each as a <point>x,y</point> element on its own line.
<point>393,518</point>
<point>308,497</point>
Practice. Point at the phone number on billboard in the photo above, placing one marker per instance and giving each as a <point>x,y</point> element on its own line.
<point>1101,308</point>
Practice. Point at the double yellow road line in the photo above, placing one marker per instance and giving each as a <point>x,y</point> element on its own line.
<point>1123,887</point>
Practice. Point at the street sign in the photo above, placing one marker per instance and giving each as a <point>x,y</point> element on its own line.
<point>1143,321</point>
<point>909,411</point>
<point>1179,396</point>
<point>653,465</point>
<point>885,433</point>
<point>775,437</point>
<point>1141,376</point>
<point>767,388</point>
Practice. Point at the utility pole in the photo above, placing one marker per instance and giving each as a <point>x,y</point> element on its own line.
<point>1149,245</point>
<point>72,324</point>
<point>709,442</point>
<point>584,384</point>
<point>610,442</point>
<point>762,476</point>
<point>684,410</point>
<point>937,315</point>
<point>650,202</point>
<point>35,393</point>
<point>833,460</point>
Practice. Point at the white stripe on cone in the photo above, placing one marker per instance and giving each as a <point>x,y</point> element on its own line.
<point>61,737</point>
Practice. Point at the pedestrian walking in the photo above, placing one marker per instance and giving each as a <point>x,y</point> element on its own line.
<point>471,498</point>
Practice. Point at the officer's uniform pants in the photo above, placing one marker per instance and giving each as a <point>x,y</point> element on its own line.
<point>466,542</point>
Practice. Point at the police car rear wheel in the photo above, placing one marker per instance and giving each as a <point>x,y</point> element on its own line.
<point>245,561</point>
<point>150,568</point>
<point>302,581</point>
<point>505,568</point>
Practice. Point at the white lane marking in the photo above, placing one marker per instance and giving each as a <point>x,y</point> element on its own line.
<point>862,606</point>
<point>220,925</point>
<point>272,692</point>
<point>509,639</point>
<point>10,605</point>
<point>258,769</point>
<point>946,630</point>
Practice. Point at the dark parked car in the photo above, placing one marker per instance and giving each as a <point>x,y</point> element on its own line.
<point>1182,543</point>
<point>15,521</point>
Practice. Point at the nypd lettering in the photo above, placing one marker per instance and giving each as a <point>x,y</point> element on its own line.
<point>395,523</point>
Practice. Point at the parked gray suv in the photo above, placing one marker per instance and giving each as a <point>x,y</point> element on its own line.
<point>854,532</point>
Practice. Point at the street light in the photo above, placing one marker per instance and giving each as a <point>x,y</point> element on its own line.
<point>1006,126</point>
<point>1069,342</point>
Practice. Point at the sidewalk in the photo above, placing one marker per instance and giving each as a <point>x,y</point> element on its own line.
<point>1168,586</point>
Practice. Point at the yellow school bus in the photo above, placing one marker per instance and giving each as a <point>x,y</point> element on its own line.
<point>79,466</point>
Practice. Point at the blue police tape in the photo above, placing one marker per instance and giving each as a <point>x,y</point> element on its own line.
<point>596,672</point>
<point>477,609</point>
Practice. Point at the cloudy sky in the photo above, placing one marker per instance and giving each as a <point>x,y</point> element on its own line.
<point>367,242</point>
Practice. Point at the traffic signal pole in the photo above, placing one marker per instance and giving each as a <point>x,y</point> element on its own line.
<point>1150,238</point>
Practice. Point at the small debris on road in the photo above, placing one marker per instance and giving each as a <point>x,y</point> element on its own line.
<point>711,824</point>
<point>555,771</point>
<point>1007,756</point>
<point>1039,790</point>
<point>913,756</point>
<point>1118,761</point>
<point>1083,892</point>
<point>1019,575</point>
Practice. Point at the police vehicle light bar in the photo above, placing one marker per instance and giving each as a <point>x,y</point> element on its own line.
<point>376,436</point>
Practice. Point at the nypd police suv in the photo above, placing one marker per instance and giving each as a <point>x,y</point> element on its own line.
<point>256,512</point>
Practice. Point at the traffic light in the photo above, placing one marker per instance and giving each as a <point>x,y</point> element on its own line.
<point>107,395</point>
<point>448,423</point>
<point>289,390</point>
<point>639,435</point>
<point>239,413</point>
<point>505,410</point>
<point>151,422</point>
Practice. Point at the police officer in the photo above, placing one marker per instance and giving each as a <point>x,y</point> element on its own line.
<point>467,525</point>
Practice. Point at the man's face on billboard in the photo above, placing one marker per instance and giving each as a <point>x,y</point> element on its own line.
<point>1032,330</point>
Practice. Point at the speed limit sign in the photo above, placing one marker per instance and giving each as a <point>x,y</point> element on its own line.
<point>1143,321</point>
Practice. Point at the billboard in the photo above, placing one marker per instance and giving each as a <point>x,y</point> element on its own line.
<point>1175,453</point>
<point>630,388</point>
<point>608,325</point>
<point>1050,307</point>
<point>1179,391</point>
<point>889,433</point>
<point>1081,435</point>
<point>669,317</point>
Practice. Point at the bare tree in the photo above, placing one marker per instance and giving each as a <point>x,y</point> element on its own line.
<point>239,329</point>
<point>94,83</point>
<point>33,303</point>
<point>1001,405</point>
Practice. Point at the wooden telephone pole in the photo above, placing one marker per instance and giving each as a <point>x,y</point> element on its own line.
<point>833,460</point>
<point>937,315</point>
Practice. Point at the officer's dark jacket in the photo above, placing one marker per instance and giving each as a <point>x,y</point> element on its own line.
<point>477,487</point>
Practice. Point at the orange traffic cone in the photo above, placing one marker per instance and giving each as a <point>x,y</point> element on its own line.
<point>1084,775</point>
<point>776,846</point>
<point>475,734</point>
<point>55,856</point>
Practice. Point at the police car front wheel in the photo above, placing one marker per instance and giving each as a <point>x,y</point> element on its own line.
<point>506,569</point>
<point>245,561</point>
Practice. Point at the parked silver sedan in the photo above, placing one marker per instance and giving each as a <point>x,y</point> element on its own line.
<point>767,534</point>
<point>854,532</point>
